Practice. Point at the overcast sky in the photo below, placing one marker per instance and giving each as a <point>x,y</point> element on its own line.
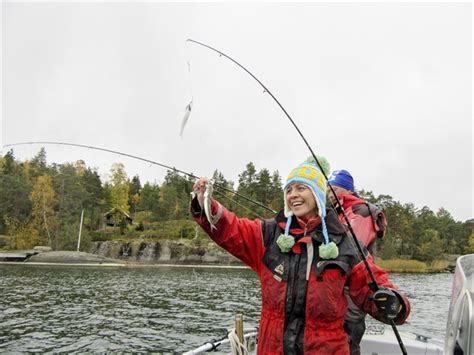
<point>383,90</point>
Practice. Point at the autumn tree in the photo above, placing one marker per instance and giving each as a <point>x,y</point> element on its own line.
<point>119,192</point>
<point>119,188</point>
<point>43,199</point>
<point>23,235</point>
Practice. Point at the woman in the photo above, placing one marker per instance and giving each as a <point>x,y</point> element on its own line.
<point>304,259</point>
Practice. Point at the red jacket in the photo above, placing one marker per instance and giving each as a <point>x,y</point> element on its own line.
<point>316,308</point>
<point>367,220</point>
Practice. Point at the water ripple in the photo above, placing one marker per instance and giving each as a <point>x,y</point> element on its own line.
<point>68,309</point>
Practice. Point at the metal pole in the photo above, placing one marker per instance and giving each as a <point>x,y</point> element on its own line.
<point>80,230</point>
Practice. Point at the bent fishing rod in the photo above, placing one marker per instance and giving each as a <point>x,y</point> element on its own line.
<point>373,284</point>
<point>148,161</point>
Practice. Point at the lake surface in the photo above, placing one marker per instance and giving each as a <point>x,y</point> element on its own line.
<point>156,309</point>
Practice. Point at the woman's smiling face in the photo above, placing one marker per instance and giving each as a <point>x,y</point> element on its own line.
<point>300,199</point>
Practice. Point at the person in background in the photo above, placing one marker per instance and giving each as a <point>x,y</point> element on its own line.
<point>368,223</point>
<point>303,259</point>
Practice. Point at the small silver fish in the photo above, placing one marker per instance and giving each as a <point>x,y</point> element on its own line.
<point>207,203</point>
<point>186,116</point>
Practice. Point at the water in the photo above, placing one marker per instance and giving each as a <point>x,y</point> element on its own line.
<point>70,309</point>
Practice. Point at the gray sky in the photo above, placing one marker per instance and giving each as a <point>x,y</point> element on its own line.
<point>383,90</point>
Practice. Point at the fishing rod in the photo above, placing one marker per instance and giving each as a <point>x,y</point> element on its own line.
<point>373,284</point>
<point>148,161</point>
<point>215,343</point>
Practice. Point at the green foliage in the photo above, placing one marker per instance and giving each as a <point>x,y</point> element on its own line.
<point>386,248</point>
<point>8,165</point>
<point>43,214</point>
<point>418,234</point>
<point>37,198</point>
<point>119,189</point>
<point>260,186</point>
<point>38,165</point>
<point>23,235</point>
<point>429,247</point>
<point>134,188</point>
<point>470,244</point>
<point>68,236</point>
<point>149,200</point>
<point>140,227</point>
<point>15,189</point>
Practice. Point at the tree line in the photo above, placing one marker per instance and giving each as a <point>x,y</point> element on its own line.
<point>40,204</point>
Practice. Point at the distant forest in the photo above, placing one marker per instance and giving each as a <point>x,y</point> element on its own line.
<point>41,204</point>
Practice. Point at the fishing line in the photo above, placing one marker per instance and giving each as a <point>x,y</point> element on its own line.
<point>239,204</point>
<point>190,77</point>
<point>373,284</point>
<point>189,107</point>
<point>222,187</point>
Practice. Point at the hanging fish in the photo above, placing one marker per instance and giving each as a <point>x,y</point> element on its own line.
<point>186,116</point>
<point>207,204</point>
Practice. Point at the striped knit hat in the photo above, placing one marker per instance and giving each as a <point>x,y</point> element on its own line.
<point>309,174</point>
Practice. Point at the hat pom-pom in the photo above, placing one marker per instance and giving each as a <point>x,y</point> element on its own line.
<point>323,161</point>
<point>285,242</point>
<point>328,251</point>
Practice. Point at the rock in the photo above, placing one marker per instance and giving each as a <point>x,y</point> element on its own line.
<point>70,257</point>
<point>163,252</point>
<point>42,248</point>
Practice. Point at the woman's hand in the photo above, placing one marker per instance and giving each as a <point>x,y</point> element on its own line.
<point>199,188</point>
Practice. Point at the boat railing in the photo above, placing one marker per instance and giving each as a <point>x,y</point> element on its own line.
<point>460,325</point>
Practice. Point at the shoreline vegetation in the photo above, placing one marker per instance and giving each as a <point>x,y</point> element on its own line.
<point>218,260</point>
<point>48,204</point>
<point>415,266</point>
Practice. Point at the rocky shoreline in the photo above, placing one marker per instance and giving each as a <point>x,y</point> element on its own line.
<point>166,251</point>
<point>138,252</point>
<point>144,252</point>
<point>70,257</point>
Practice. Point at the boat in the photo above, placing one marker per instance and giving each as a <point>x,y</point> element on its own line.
<point>459,338</point>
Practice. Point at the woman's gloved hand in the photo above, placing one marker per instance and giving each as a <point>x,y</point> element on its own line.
<point>387,303</point>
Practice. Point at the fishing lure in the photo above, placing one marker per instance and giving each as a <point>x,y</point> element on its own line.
<point>186,117</point>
